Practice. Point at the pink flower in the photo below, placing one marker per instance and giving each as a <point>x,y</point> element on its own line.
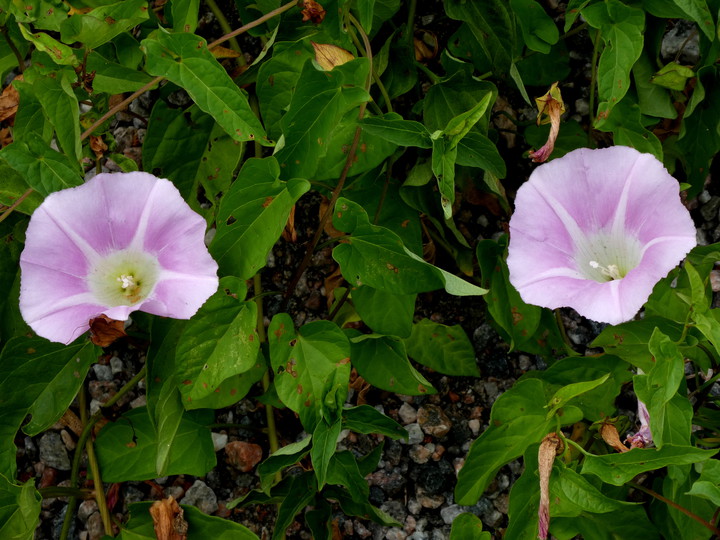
<point>595,230</point>
<point>643,438</point>
<point>116,244</point>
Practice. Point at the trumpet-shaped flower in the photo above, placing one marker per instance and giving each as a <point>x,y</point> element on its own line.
<point>595,230</point>
<point>116,244</point>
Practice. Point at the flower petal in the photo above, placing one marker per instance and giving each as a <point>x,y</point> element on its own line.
<point>581,202</point>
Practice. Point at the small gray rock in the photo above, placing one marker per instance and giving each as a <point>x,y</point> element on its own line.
<point>53,452</point>
<point>415,434</point>
<point>103,373</point>
<point>201,496</point>
<point>407,413</point>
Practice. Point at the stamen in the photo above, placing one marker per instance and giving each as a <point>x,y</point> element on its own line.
<point>612,271</point>
<point>126,281</point>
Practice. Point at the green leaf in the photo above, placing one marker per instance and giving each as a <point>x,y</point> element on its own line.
<point>13,187</point>
<point>445,349</point>
<point>343,471</point>
<point>617,469</point>
<point>325,438</point>
<point>393,128</point>
<point>283,457</point>
<point>443,167</point>
<point>60,53</point>
<point>517,320</point>
<point>652,99</point>
<point>185,15</point>
<point>476,150</point>
<point>252,215</point>
<point>363,510</point>
<point>517,420</point>
<point>599,402</point>
<point>58,100</point>
<point>40,378</point>
<point>140,526</point>
<point>312,367</point>
<point>708,485</point>
<point>626,124</point>
<point>385,312</point>
<point>468,527</point>
<point>302,491</point>
<point>43,168</point>
<point>538,29</point>
<point>219,341</point>
<point>112,77</point>
<point>566,393</point>
<point>375,256</point>
<point>127,448</point>
<point>103,23</point>
<point>621,28</point>
<point>185,60</point>
<point>276,80</point>
<point>460,125</point>
<point>660,385</point>
<point>673,76</point>
<point>630,341</point>
<point>382,361</point>
<point>492,25</point>
<point>19,509</point>
<point>366,419</point>
<point>453,97</point>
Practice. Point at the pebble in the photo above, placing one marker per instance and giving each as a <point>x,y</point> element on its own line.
<point>449,513</point>
<point>709,210</point>
<point>491,391</point>
<point>407,413</point>
<point>68,441</point>
<point>396,534</point>
<point>474,426</point>
<point>434,421</point>
<point>139,401</point>
<point>414,506</point>
<point>219,440</point>
<point>116,365</point>
<point>420,454</point>
<point>202,496</point>
<point>95,527</point>
<point>86,508</point>
<point>243,455</point>
<point>682,39</point>
<point>428,500</point>
<point>53,452</point>
<point>715,280</point>
<point>390,483</point>
<point>102,390</point>
<point>415,434</point>
<point>502,503</point>
<point>102,372</point>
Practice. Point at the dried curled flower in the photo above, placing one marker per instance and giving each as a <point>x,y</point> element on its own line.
<point>550,109</point>
<point>116,244</point>
<point>312,11</point>
<point>595,230</point>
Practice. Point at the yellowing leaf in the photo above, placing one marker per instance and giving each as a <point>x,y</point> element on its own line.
<point>329,56</point>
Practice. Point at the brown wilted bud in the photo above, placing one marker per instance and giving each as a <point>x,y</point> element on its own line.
<point>550,447</point>
<point>312,11</point>
<point>550,108</point>
<point>104,331</point>
<point>609,434</point>
<point>98,146</point>
<point>168,520</point>
<point>328,56</point>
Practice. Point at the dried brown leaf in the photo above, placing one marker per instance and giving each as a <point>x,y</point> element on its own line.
<point>168,520</point>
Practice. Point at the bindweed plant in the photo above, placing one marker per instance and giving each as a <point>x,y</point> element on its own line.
<point>381,145</point>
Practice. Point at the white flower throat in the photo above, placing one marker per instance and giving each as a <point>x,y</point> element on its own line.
<point>607,256</point>
<point>124,278</point>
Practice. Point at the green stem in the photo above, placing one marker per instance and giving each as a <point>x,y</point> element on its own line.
<point>677,507</point>
<point>14,205</point>
<point>376,78</point>
<point>593,81</point>
<point>412,6</point>
<point>225,27</point>
<point>94,468</point>
<point>59,491</point>
<point>430,75</point>
<point>338,188</point>
<point>84,435</point>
